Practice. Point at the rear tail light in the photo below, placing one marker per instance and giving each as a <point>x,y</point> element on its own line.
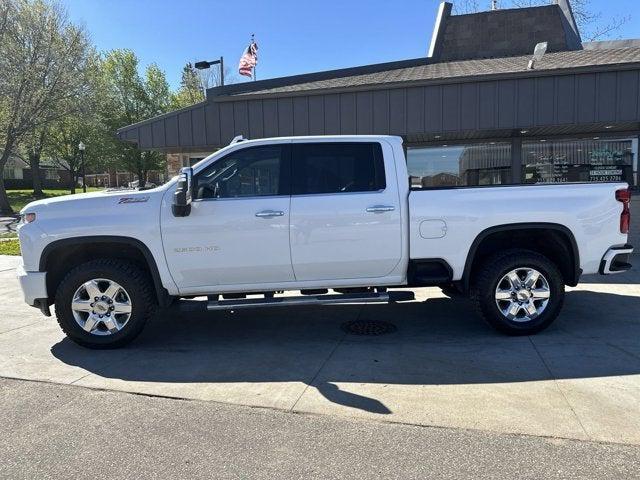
<point>624,196</point>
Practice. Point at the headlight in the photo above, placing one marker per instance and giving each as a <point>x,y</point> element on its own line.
<point>29,217</point>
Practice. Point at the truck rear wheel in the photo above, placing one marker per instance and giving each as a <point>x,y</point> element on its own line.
<point>518,292</point>
<point>104,303</point>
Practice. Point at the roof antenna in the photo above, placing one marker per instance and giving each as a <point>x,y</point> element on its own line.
<point>494,4</point>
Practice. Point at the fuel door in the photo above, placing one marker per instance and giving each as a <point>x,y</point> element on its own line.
<point>433,229</point>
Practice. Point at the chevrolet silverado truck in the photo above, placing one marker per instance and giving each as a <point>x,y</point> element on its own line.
<point>328,219</point>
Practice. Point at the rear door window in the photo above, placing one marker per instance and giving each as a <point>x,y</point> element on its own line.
<point>340,167</point>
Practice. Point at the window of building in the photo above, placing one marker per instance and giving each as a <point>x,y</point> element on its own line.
<point>251,172</point>
<point>51,174</point>
<point>580,160</point>
<point>459,165</point>
<point>13,174</point>
<point>337,168</point>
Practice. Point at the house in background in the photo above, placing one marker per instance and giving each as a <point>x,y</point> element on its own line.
<point>18,174</point>
<point>54,174</point>
<point>114,179</point>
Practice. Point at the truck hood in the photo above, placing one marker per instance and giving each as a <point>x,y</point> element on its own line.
<point>92,200</point>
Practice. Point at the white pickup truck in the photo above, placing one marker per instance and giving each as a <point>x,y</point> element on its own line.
<point>309,214</point>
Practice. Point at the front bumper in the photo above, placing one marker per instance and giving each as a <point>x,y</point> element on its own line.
<point>33,285</point>
<point>616,260</point>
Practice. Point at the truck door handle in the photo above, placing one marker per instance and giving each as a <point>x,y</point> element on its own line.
<point>269,213</point>
<point>381,208</point>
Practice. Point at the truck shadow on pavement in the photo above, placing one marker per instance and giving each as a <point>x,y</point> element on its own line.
<point>438,342</point>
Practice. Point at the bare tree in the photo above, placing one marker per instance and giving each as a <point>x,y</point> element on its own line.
<point>460,7</point>
<point>43,60</point>
<point>210,77</point>
<point>194,84</point>
<point>592,23</point>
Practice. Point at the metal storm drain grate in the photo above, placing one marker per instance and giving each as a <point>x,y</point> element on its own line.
<point>368,327</point>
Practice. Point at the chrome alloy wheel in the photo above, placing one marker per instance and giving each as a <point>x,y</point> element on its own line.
<point>101,306</point>
<point>522,294</point>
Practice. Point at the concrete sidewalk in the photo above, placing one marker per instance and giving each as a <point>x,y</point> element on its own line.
<point>443,367</point>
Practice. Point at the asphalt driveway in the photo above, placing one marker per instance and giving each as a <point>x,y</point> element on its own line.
<point>442,367</point>
<point>60,431</point>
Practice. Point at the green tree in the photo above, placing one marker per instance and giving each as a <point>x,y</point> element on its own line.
<point>63,141</point>
<point>57,141</point>
<point>43,66</point>
<point>127,98</point>
<point>191,89</point>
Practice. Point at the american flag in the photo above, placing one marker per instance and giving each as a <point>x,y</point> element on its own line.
<point>248,60</point>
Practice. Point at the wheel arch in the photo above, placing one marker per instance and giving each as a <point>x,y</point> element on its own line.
<point>62,255</point>
<point>563,236</point>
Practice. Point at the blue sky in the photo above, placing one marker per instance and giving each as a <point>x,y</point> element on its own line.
<point>294,36</point>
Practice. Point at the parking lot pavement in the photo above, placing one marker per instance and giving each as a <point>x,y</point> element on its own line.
<point>60,431</point>
<point>580,379</point>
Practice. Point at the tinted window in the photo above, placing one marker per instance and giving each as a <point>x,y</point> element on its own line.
<point>459,165</point>
<point>337,168</point>
<point>586,160</point>
<point>251,172</point>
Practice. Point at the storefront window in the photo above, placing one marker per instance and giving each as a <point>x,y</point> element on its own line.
<point>459,165</point>
<point>586,160</point>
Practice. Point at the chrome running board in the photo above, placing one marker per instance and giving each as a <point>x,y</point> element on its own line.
<point>382,297</point>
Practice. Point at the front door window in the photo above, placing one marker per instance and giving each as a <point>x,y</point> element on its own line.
<point>251,172</point>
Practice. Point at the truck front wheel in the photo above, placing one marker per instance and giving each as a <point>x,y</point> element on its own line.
<point>104,303</point>
<point>518,292</point>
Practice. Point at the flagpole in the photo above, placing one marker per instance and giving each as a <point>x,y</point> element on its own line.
<point>255,66</point>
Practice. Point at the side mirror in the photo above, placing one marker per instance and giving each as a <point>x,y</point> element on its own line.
<point>182,196</point>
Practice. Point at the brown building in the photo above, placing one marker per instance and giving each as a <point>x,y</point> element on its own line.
<point>471,111</point>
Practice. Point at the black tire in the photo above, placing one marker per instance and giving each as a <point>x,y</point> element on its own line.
<point>134,280</point>
<point>485,282</point>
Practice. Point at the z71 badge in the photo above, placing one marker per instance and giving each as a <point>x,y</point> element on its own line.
<point>133,200</point>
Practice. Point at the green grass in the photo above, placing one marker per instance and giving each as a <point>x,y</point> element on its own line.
<point>9,247</point>
<point>19,198</point>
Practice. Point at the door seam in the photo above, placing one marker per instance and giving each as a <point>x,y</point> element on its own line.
<point>293,270</point>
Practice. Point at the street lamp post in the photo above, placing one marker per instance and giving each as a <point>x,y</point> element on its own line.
<point>81,147</point>
<point>204,65</point>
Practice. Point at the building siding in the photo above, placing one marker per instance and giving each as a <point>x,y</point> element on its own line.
<point>495,105</point>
